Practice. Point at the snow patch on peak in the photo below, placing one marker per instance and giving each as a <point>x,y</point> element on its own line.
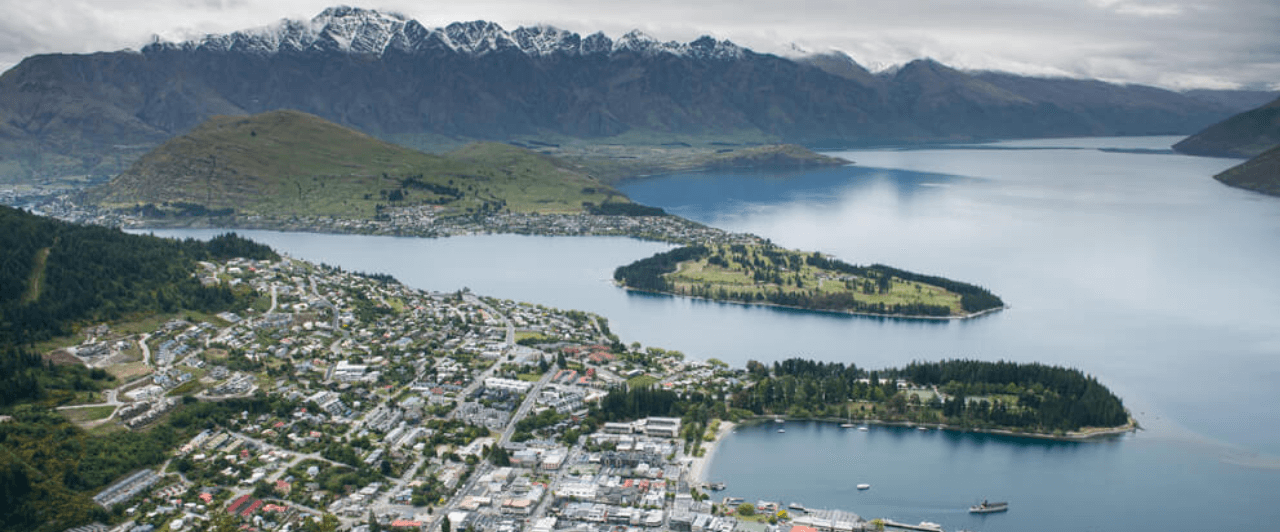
<point>479,37</point>
<point>345,29</point>
<point>356,30</point>
<point>639,42</point>
<point>546,40</point>
<point>708,48</point>
<point>597,43</point>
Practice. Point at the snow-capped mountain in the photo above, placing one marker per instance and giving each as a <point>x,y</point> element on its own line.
<point>366,31</point>
<point>389,76</point>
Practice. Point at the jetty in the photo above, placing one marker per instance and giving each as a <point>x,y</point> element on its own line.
<point>924,526</point>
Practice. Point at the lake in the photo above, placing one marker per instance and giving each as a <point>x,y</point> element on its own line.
<point>1136,267</point>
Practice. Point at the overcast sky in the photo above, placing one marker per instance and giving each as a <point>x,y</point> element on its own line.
<point>1174,44</point>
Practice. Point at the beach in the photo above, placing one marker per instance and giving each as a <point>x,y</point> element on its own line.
<point>698,466</point>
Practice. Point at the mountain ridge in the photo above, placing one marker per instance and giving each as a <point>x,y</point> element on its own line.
<point>436,89</point>
<point>1248,134</point>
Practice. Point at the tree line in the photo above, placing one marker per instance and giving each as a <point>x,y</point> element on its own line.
<point>1031,396</point>
<point>55,275</point>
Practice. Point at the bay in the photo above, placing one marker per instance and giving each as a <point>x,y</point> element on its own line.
<point>1136,267</point>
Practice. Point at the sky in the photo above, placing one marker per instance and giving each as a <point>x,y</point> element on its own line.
<point>1172,44</point>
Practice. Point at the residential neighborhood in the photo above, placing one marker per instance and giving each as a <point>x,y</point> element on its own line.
<point>391,408</point>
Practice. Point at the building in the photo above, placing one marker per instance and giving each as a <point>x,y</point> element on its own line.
<point>510,385</point>
<point>663,427</point>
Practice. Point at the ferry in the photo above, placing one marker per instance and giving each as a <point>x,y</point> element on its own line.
<point>864,487</point>
<point>989,507</point>
<point>797,506</point>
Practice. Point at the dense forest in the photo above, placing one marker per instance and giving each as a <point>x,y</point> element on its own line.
<point>647,273</point>
<point>771,266</point>
<point>55,275</point>
<point>50,469</point>
<point>1031,397</point>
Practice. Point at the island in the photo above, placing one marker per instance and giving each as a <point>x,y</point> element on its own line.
<point>216,385</point>
<point>763,273</point>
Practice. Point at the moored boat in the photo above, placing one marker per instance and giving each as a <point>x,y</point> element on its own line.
<point>989,507</point>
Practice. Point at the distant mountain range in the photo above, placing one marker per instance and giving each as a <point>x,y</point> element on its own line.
<point>1255,134</point>
<point>1247,134</point>
<point>393,78</point>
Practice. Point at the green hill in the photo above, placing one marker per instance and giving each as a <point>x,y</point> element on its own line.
<point>284,163</point>
<point>1245,135</point>
<point>1259,174</point>
<point>767,274</point>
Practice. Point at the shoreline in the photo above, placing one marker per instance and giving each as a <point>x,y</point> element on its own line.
<point>699,466</point>
<point>1076,436</point>
<point>970,315</point>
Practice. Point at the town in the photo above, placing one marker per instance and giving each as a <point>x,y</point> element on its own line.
<point>399,409</point>
<point>421,221</point>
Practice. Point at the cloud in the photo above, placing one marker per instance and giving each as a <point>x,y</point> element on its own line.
<point>1173,44</point>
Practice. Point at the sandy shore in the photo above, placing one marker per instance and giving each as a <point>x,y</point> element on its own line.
<point>698,466</point>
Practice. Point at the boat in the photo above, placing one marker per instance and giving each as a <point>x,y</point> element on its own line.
<point>716,486</point>
<point>922,428</point>
<point>863,428</point>
<point>779,420</point>
<point>989,507</point>
<point>797,506</point>
<point>864,487</point>
<point>780,431</point>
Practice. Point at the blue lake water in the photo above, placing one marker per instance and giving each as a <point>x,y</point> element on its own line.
<point>1138,268</point>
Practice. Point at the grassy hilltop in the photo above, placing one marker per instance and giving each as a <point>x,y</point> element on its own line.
<point>292,163</point>
<point>772,275</point>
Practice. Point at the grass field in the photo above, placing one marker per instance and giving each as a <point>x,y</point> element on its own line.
<point>187,388</point>
<point>642,381</point>
<point>750,271</point>
<point>129,370</point>
<point>88,414</point>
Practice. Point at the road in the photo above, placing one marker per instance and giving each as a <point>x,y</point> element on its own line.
<point>146,351</point>
<point>511,329</point>
<point>530,399</point>
<point>273,299</point>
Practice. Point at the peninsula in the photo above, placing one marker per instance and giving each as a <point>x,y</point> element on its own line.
<point>259,389</point>
<point>762,273</point>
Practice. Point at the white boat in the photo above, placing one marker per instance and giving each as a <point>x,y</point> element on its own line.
<point>989,507</point>
<point>780,431</point>
<point>847,425</point>
<point>778,420</point>
<point>863,428</point>
<point>864,487</point>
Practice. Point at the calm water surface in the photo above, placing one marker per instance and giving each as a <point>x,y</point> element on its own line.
<point>1135,267</point>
